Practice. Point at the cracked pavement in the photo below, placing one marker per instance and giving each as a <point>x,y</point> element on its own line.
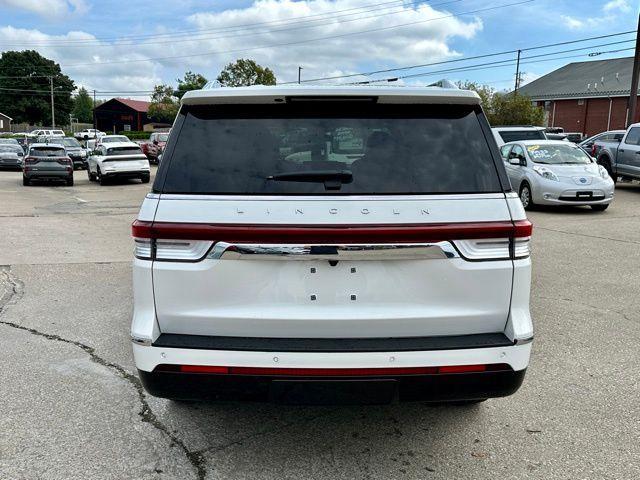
<point>72,406</point>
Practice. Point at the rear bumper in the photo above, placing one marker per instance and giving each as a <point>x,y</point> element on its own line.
<point>131,174</point>
<point>352,390</point>
<point>48,174</point>
<point>321,389</point>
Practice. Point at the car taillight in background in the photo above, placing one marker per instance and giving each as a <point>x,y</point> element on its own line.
<point>191,241</point>
<point>31,160</point>
<point>64,161</point>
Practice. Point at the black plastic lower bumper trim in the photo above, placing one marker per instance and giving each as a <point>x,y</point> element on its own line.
<point>260,344</point>
<point>352,390</point>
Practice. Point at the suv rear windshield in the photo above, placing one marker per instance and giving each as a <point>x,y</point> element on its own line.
<point>518,135</point>
<point>328,148</point>
<point>47,152</point>
<point>124,151</point>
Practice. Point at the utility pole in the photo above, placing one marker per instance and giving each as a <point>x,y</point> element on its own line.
<point>94,110</point>
<point>53,109</point>
<point>299,72</point>
<point>633,93</point>
<point>515,90</point>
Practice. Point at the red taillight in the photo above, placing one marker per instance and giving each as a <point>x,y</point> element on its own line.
<point>64,161</point>
<point>31,160</point>
<point>522,228</point>
<point>332,372</point>
<point>331,234</point>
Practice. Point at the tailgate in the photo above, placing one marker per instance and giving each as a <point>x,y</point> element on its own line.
<point>330,268</point>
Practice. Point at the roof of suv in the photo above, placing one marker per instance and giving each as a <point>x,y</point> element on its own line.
<point>278,93</point>
<point>516,127</point>
<point>542,142</point>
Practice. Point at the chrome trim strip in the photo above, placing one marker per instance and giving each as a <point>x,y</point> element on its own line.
<point>335,198</point>
<point>403,251</point>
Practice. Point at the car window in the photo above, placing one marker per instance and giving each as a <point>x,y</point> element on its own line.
<point>243,149</point>
<point>618,136</point>
<point>633,137</point>
<point>555,154</point>
<point>517,135</point>
<point>115,139</point>
<point>70,142</point>
<point>517,152</point>
<point>504,151</point>
<point>123,151</point>
<point>48,151</point>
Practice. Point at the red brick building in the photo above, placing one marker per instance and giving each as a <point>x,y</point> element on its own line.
<point>586,97</point>
<point>121,114</point>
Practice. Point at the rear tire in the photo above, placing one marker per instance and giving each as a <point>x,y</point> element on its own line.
<point>92,176</point>
<point>600,207</point>
<point>145,178</point>
<point>100,177</point>
<point>526,196</point>
<point>70,182</point>
<point>25,181</point>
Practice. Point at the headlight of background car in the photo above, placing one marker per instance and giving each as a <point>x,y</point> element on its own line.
<point>545,173</point>
<point>603,172</point>
<point>83,153</point>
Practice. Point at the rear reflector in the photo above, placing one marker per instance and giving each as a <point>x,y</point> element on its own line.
<point>332,372</point>
<point>331,234</point>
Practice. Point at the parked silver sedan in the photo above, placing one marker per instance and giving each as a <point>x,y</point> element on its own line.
<point>551,172</point>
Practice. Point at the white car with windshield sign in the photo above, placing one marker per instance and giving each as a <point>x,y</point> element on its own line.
<point>118,160</point>
<point>331,243</point>
<point>552,172</point>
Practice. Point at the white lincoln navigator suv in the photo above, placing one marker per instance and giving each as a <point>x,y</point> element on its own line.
<point>352,243</point>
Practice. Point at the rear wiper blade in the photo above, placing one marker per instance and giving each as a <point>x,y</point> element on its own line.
<point>332,179</point>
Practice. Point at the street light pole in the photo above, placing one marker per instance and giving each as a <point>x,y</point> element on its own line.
<point>299,74</point>
<point>53,112</point>
<point>515,90</point>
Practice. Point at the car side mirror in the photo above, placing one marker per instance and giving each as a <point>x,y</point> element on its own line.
<point>155,142</point>
<point>522,161</point>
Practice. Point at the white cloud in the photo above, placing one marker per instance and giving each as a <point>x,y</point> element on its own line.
<point>574,23</point>
<point>426,39</point>
<point>50,8</point>
<point>622,5</point>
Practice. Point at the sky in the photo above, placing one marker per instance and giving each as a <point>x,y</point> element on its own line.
<point>124,48</point>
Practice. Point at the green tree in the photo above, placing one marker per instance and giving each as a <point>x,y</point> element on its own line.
<point>504,108</point>
<point>245,72</point>
<point>485,92</point>
<point>164,105</point>
<point>83,106</point>
<point>514,109</point>
<point>25,82</point>
<point>191,81</point>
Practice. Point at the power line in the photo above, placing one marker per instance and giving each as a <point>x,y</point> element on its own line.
<point>484,66</point>
<point>475,57</point>
<point>196,31</point>
<point>466,68</point>
<point>305,25</point>
<point>298,42</point>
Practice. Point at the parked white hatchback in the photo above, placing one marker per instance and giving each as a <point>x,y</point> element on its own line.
<point>389,260</point>
<point>553,172</point>
<point>118,160</point>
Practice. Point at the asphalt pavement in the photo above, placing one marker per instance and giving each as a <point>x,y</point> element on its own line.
<point>71,406</point>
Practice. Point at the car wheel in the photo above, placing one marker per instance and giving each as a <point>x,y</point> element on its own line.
<point>100,177</point>
<point>145,178</point>
<point>92,177</point>
<point>70,182</point>
<point>25,181</point>
<point>526,197</point>
<point>600,207</point>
